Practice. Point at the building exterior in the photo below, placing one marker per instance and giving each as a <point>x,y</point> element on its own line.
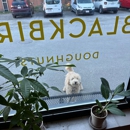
<point>5,4</point>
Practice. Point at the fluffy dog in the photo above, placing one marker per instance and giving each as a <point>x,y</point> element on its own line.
<point>73,83</point>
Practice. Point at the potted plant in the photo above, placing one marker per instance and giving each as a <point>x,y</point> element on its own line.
<point>99,111</point>
<point>25,92</point>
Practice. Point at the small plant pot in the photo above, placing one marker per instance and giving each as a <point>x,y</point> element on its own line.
<point>96,121</point>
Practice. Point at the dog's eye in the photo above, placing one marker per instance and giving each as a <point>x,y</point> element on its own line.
<point>72,78</point>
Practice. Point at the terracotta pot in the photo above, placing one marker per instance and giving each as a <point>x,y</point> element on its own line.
<point>96,121</point>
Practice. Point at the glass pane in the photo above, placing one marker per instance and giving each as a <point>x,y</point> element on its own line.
<point>4,1</point>
<point>97,44</point>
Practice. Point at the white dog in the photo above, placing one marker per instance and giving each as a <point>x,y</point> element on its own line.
<point>73,83</point>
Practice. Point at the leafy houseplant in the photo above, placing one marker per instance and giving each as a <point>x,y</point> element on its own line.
<point>99,111</point>
<point>25,92</point>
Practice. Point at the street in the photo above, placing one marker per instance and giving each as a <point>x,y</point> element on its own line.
<point>95,43</point>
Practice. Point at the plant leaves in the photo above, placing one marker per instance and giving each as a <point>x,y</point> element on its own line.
<point>116,111</point>
<point>17,75</point>
<point>43,104</point>
<point>25,88</point>
<point>99,104</point>
<point>1,55</point>
<point>14,106</point>
<point>111,105</point>
<point>114,101</point>
<point>104,91</point>
<point>56,89</point>
<point>6,112</point>
<point>24,71</point>
<point>3,101</point>
<point>119,89</point>
<point>42,69</point>
<point>105,83</point>
<point>38,87</point>
<point>7,74</point>
<point>124,93</point>
<point>16,96</point>
<point>45,84</point>
<point>35,127</point>
<point>14,120</point>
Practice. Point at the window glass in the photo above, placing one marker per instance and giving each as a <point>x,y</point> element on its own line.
<point>84,1</point>
<point>18,3</point>
<point>98,45</point>
<point>112,0</point>
<point>52,1</point>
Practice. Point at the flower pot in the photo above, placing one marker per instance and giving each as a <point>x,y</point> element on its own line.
<point>96,121</point>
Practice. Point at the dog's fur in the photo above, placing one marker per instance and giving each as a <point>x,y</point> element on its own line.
<point>73,83</point>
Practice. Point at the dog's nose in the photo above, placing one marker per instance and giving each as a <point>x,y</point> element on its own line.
<point>75,82</point>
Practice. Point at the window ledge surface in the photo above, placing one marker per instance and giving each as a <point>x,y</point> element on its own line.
<point>114,122</point>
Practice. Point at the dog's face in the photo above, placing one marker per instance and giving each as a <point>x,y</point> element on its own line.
<point>74,80</point>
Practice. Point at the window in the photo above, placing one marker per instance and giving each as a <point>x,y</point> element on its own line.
<point>98,45</point>
<point>53,1</point>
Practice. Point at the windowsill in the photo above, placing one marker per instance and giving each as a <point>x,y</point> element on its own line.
<point>82,123</point>
<point>114,122</point>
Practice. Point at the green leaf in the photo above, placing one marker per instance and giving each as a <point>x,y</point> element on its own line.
<point>1,111</point>
<point>30,72</point>
<point>14,120</point>
<point>6,112</point>
<point>36,106</point>
<point>7,74</point>
<point>104,91</point>
<point>105,83</point>
<point>124,93</point>
<point>6,60</point>
<point>42,69</point>
<point>3,101</point>
<point>14,106</point>
<point>45,84</point>
<point>10,94</point>
<point>24,71</point>
<point>119,89</point>
<point>114,101</point>
<point>43,104</point>
<point>55,88</point>
<point>111,105</point>
<point>17,63</point>
<point>16,96</point>
<point>1,55</point>
<point>17,75</point>
<point>25,88</point>
<point>35,127</point>
<point>99,104</point>
<point>116,111</point>
<point>32,100</point>
<point>51,68</point>
<point>38,87</point>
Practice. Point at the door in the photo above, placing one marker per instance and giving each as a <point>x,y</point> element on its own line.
<point>5,5</point>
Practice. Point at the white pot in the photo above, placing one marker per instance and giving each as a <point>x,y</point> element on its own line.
<point>96,121</point>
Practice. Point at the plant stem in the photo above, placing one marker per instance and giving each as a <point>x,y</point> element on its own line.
<point>107,104</point>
